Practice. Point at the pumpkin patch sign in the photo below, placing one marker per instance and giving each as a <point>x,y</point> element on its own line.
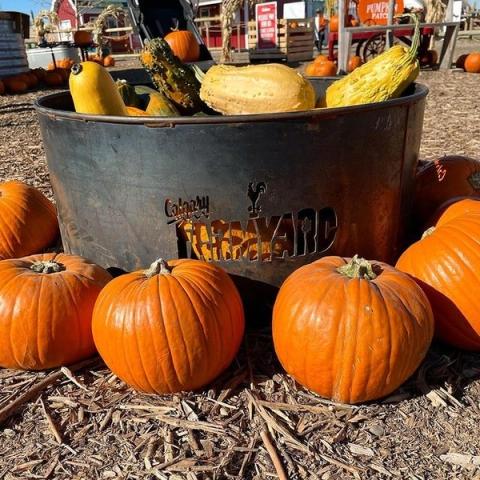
<point>375,12</point>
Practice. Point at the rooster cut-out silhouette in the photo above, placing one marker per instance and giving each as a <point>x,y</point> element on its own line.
<point>254,192</point>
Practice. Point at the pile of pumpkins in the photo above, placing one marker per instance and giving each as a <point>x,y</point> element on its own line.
<point>349,329</point>
<point>469,62</point>
<point>36,78</point>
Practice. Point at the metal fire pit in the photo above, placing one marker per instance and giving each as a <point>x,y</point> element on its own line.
<point>289,188</point>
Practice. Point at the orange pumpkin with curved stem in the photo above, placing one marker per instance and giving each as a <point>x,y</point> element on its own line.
<point>47,302</point>
<point>444,262</point>
<point>349,329</point>
<point>173,327</point>
<point>28,220</point>
<point>184,45</point>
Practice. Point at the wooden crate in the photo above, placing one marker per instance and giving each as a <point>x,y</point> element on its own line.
<point>295,41</point>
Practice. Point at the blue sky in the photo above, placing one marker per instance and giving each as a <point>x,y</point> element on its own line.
<point>23,5</point>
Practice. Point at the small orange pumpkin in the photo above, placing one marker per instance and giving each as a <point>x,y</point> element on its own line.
<point>47,302</point>
<point>53,79</point>
<point>460,63</point>
<point>173,327</point>
<point>108,61</point>
<point>324,69</point>
<point>349,329</point>
<point>28,220</point>
<point>354,62</point>
<point>39,73</point>
<point>184,45</point>
<point>472,63</point>
<point>82,38</point>
<point>15,85</point>
<point>445,264</point>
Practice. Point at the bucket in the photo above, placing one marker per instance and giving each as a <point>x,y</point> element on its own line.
<point>259,195</point>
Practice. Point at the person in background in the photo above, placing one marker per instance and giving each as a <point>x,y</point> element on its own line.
<point>320,25</point>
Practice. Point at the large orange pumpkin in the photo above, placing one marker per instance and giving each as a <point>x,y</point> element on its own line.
<point>354,62</point>
<point>455,208</point>
<point>184,45</point>
<point>441,181</point>
<point>445,263</point>
<point>472,63</point>
<point>46,310</point>
<point>349,329</point>
<point>173,327</point>
<point>28,220</point>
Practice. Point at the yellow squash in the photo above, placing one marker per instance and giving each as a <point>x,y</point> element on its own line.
<point>385,77</point>
<point>256,89</point>
<point>94,91</point>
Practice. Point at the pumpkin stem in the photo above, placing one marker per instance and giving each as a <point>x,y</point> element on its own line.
<point>358,268</point>
<point>76,68</point>
<point>158,267</point>
<point>428,232</point>
<point>47,267</point>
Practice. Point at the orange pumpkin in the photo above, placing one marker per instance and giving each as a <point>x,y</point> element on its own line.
<point>30,81</point>
<point>2,88</point>
<point>349,329</point>
<point>64,73</point>
<point>47,302</point>
<point>323,69</point>
<point>472,63</point>
<point>333,24</point>
<point>442,180</point>
<point>82,38</point>
<point>170,328</point>
<point>54,79</point>
<point>39,73</point>
<point>184,45</point>
<point>28,220</point>
<point>15,85</point>
<point>460,63</point>
<point>108,61</point>
<point>445,264</point>
<point>354,62</point>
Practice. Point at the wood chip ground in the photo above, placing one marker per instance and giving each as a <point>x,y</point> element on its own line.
<point>254,422</point>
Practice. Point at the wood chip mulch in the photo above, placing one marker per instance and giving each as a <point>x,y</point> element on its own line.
<point>254,422</point>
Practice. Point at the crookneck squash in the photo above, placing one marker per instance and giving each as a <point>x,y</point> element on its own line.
<point>171,77</point>
<point>94,91</point>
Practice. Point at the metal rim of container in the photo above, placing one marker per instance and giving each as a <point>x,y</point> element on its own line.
<point>420,92</point>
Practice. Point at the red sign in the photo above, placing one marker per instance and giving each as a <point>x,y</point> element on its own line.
<point>375,12</point>
<point>266,16</point>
